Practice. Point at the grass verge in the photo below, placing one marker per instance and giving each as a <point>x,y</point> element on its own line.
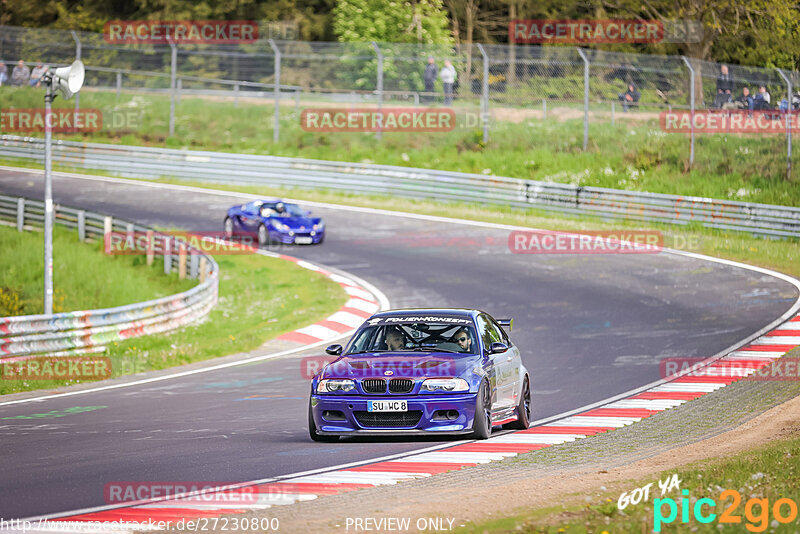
<point>760,477</point>
<point>259,298</point>
<point>633,154</point>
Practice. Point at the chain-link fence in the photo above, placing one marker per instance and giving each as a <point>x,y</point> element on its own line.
<point>494,83</point>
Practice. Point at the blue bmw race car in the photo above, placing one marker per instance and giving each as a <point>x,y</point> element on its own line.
<point>422,371</point>
<point>274,221</point>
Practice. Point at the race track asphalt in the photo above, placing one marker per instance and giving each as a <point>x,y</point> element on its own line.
<point>589,326</point>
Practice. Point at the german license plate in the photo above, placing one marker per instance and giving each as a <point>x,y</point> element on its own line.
<point>303,240</point>
<point>387,406</point>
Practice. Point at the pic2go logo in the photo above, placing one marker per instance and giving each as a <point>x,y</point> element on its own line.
<point>756,511</point>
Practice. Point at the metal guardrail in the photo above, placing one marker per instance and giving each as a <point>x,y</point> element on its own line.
<point>154,163</point>
<point>91,330</point>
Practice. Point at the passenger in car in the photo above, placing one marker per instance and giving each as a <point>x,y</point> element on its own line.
<point>464,340</point>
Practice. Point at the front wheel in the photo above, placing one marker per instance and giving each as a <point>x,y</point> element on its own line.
<point>228,227</point>
<point>482,422</point>
<point>312,429</point>
<point>524,408</point>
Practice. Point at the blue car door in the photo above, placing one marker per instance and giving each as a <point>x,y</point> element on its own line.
<point>499,362</point>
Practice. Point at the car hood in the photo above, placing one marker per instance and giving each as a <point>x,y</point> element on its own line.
<point>295,223</point>
<point>401,365</point>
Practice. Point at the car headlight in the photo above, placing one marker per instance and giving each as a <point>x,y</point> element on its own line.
<point>335,385</point>
<point>280,226</point>
<point>444,384</point>
<point>319,226</point>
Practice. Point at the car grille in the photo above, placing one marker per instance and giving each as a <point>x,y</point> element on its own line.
<point>388,419</point>
<point>401,385</point>
<point>374,385</point>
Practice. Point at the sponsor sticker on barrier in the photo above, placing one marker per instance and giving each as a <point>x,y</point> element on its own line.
<point>180,31</point>
<point>587,242</point>
<point>57,368</point>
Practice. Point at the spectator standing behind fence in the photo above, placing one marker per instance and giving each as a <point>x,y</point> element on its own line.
<point>37,73</point>
<point>3,73</point>
<point>21,74</point>
<point>630,97</point>
<point>724,87</point>
<point>744,101</point>
<point>448,75</point>
<point>762,99</point>
<point>431,71</point>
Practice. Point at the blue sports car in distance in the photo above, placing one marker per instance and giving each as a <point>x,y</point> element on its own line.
<point>274,221</point>
<point>422,371</point>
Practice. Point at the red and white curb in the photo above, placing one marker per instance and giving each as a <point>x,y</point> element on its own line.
<point>361,304</point>
<point>758,353</point>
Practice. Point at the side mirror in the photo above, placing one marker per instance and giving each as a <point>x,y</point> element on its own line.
<point>498,348</point>
<point>307,213</point>
<point>334,350</point>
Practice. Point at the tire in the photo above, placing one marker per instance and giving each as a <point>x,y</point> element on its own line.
<point>482,422</point>
<point>524,408</point>
<point>228,226</point>
<point>312,429</point>
<point>263,236</point>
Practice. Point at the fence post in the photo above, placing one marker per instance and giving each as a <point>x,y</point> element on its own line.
<point>167,254</point>
<point>173,73</point>
<point>203,269</point>
<point>788,124</point>
<point>585,98</point>
<point>178,89</point>
<point>485,94</point>
<point>544,109</point>
<point>613,106</point>
<point>380,86</point>
<point>193,265</point>
<point>119,82</point>
<point>236,95</point>
<point>150,252</point>
<point>297,99</point>
<point>20,214</point>
<point>276,135</point>
<point>108,226</point>
<point>81,225</point>
<point>181,261</point>
<point>691,108</point>
<point>77,56</point>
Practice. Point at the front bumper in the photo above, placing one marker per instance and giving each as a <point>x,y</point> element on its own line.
<point>351,419</point>
<point>299,238</point>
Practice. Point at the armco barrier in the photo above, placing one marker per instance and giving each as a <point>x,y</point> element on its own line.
<point>153,163</point>
<point>92,330</point>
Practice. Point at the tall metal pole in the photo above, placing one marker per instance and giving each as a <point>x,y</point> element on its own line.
<point>585,99</point>
<point>172,86</point>
<point>48,202</point>
<point>77,56</point>
<point>485,94</point>
<point>276,130</point>
<point>691,107</point>
<point>788,125</point>
<point>380,86</point>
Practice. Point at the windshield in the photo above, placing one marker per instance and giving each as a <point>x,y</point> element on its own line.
<point>415,337</point>
<point>280,209</point>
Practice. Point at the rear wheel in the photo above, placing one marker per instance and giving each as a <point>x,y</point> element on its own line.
<point>312,429</point>
<point>524,407</point>
<point>263,235</point>
<point>482,423</point>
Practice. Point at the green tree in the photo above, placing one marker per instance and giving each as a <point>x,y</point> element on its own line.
<point>392,21</point>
